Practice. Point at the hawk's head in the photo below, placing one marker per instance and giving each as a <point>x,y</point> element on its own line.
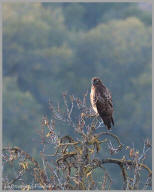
<point>96,81</point>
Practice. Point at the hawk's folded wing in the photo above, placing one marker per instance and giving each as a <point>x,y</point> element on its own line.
<point>105,107</point>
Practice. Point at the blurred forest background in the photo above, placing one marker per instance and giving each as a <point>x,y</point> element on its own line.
<point>49,48</point>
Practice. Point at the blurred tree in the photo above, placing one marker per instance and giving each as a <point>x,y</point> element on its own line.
<point>85,16</point>
<point>21,116</point>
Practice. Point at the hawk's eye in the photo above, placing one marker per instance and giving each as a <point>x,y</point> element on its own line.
<point>96,81</point>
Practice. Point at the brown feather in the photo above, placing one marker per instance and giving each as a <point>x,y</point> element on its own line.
<point>101,101</point>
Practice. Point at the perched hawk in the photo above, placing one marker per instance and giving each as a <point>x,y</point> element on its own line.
<point>101,101</point>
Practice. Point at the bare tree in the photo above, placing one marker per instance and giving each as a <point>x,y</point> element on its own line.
<point>75,162</point>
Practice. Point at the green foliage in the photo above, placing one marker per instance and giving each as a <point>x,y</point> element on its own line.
<point>21,115</point>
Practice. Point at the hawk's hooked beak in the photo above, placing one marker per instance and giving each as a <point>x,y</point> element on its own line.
<point>92,82</point>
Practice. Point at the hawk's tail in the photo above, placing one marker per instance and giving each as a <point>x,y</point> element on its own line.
<point>108,121</point>
<point>112,121</point>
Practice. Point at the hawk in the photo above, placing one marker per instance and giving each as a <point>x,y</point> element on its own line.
<point>101,101</point>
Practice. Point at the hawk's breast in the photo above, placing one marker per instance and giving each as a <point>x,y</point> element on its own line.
<point>93,99</point>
